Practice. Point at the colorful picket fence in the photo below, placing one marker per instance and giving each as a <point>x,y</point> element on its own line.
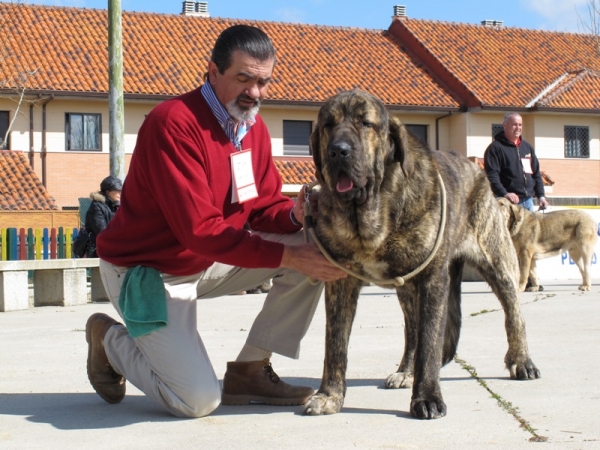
<point>18,244</point>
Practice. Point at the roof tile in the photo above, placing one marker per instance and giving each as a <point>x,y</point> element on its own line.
<point>20,188</point>
<point>168,54</point>
<point>507,67</point>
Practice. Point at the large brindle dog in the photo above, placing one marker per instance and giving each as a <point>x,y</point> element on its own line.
<point>381,214</point>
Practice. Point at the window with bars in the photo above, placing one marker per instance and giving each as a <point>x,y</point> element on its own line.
<point>577,142</point>
<point>296,137</point>
<point>419,131</point>
<point>496,128</point>
<point>83,132</point>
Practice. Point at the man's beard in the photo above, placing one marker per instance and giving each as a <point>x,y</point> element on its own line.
<point>239,113</point>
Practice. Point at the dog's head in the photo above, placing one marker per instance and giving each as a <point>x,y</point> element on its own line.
<point>514,215</point>
<point>353,143</point>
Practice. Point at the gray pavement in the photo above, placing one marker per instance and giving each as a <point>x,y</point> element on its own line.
<point>46,401</point>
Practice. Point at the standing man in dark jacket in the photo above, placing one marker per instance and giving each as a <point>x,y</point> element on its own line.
<point>512,167</point>
<point>102,209</point>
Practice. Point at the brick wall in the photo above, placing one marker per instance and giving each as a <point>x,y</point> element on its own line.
<point>573,177</point>
<point>71,175</point>
<point>39,219</point>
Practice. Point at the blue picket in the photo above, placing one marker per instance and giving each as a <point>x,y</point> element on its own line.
<point>20,244</point>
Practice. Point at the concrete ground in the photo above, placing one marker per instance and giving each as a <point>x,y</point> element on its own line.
<point>46,401</point>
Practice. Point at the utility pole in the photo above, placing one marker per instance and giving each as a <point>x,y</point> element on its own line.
<point>116,112</point>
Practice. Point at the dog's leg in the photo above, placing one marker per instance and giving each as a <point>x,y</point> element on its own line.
<point>535,282</point>
<point>403,378</point>
<point>427,401</point>
<point>340,306</point>
<point>499,270</point>
<point>583,261</point>
<point>525,260</point>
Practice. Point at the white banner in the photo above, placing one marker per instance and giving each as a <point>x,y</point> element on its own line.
<point>561,267</point>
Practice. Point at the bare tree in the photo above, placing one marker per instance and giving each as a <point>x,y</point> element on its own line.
<point>591,23</point>
<point>15,83</point>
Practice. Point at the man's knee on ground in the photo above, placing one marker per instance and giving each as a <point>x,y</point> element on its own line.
<point>196,402</point>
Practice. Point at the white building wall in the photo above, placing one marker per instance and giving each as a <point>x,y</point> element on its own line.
<point>549,139</point>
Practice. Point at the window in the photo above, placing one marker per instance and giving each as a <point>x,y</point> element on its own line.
<point>83,131</point>
<point>296,136</point>
<point>4,117</point>
<point>577,142</point>
<point>496,128</point>
<point>419,131</point>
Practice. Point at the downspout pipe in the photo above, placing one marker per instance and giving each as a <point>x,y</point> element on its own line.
<point>31,149</point>
<point>44,147</point>
<point>437,129</point>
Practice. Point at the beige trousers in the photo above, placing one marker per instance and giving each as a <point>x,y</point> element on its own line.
<point>171,365</point>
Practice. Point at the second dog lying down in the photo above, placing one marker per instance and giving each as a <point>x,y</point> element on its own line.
<point>537,236</point>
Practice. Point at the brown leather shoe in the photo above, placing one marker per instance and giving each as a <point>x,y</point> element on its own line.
<point>106,382</point>
<point>257,382</point>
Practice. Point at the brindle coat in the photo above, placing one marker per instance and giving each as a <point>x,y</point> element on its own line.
<point>379,213</point>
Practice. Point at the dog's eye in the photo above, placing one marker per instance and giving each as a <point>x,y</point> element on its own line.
<point>367,124</point>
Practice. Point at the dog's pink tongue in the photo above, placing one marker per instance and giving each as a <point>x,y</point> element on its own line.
<point>344,183</point>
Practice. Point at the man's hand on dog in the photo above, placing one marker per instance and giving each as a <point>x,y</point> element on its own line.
<point>307,259</point>
<point>313,198</point>
<point>512,197</point>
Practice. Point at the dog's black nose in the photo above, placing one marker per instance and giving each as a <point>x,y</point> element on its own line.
<point>339,149</point>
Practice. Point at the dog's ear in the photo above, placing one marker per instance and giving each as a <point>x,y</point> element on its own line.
<point>399,145</point>
<point>517,218</point>
<point>315,139</point>
<point>509,214</point>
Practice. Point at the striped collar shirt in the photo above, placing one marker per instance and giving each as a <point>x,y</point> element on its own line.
<point>234,130</point>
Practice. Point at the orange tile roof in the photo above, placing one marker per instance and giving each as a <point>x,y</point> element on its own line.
<point>20,188</point>
<point>168,54</point>
<point>575,90</point>
<point>500,66</point>
<point>295,170</point>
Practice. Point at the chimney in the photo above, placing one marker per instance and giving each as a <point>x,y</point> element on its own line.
<point>399,11</point>
<point>195,9</point>
<point>492,23</point>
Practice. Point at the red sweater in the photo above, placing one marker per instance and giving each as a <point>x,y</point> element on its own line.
<point>176,213</point>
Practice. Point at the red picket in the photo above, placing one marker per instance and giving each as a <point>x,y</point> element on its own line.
<point>22,245</point>
<point>53,243</point>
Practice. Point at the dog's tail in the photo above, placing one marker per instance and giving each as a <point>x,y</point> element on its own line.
<point>454,318</point>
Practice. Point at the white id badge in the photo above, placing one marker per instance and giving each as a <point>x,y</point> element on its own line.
<point>526,165</point>
<point>244,186</point>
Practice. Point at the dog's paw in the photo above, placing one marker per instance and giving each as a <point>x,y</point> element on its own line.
<point>433,408</point>
<point>534,289</point>
<point>399,380</point>
<point>524,371</point>
<point>583,287</point>
<point>320,404</point>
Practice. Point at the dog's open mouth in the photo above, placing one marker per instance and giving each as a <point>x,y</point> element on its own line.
<point>351,190</point>
<point>344,183</point>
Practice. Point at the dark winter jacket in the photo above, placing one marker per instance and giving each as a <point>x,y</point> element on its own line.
<point>504,168</point>
<point>101,212</point>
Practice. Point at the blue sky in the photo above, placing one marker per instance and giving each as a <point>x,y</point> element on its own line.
<point>553,15</point>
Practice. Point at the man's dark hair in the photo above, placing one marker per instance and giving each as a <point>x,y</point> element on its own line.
<point>249,40</point>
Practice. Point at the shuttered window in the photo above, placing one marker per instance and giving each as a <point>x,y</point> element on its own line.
<point>296,137</point>
<point>419,131</point>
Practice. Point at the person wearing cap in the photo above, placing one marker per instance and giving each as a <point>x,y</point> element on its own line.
<point>203,216</point>
<point>105,203</point>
